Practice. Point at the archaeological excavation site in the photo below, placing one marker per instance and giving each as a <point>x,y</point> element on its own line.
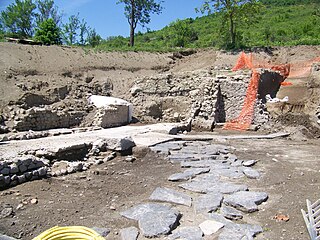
<point>195,144</point>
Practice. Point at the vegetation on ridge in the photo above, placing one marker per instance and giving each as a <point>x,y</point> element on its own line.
<point>280,23</point>
<point>277,23</point>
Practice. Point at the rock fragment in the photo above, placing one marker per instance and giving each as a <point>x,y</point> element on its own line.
<point>249,163</point>
<point>101,231</point>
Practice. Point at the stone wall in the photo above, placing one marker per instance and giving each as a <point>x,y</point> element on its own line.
<point>44,163</point>
<point>205,96</point>
<point>22,169</point>
<point>45,118</point>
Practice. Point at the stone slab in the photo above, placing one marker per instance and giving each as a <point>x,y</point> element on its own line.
<point>130,233</point>
<point>155,224</point>
<point>240,232</point>
<point>179,157</point>
<point>231,213</point>
<point>208,202</point>
<point>251,173</point>
<point>234,231</point>
<point>171,196</point>
<point>210,227</point>
<point>188,174</point>
<point>202,164</point>
<point>232,172</point>
<point>213,186</point>
<point>190,233</point>
<point>246,201</point>
<point>154,219</point>
<point>5,237</point>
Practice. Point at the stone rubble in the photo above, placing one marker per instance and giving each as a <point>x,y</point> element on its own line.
<point>42,163</point>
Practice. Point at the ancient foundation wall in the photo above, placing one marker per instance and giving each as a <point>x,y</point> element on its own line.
<point>22,169</point>
<point>43,119</point>
<point>204,96</point>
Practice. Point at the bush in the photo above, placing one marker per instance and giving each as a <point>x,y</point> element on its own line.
<point>48,33</point>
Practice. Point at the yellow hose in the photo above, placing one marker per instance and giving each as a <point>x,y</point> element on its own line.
<point>69,233</point>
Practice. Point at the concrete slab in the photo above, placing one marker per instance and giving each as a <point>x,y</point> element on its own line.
<point>142,135</point>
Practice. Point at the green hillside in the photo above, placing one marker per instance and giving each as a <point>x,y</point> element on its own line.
<point>280,23</point>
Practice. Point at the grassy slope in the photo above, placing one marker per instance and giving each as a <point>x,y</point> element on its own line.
<point>282,23</point>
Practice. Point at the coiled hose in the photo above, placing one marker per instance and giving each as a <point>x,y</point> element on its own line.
<point>69,233</point>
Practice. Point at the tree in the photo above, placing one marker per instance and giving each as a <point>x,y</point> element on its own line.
<point>70,29</point>
<point>1,28</point>
<point>139,11</point>
<point>18,18</point>
<point>48,32</point>
<point>46,10</point>
<point>93,38</point>
<point>234,12</point>
<point>182,33</point>
<point>84,30</point>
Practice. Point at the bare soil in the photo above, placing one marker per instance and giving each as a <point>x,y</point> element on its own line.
<point>290,175</point>
<point>290,167</point>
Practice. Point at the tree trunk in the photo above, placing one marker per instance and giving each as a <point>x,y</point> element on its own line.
<point>232,32</point>
<point>131,35</point>
<point>132,21</point>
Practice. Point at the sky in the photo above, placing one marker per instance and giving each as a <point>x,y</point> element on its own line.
<point>107,17</point>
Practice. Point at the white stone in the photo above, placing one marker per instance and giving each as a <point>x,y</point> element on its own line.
<point>210,227</point>
<point>104,102</point>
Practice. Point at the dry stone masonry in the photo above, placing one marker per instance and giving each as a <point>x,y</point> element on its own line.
<point>205,96</point>
<point>22,169</point>
<point>39,119</point>
<point>42,163</point>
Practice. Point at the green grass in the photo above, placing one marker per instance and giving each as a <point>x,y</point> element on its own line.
<point>281,23</point>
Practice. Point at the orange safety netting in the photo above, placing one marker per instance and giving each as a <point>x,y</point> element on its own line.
<point>244,120</point>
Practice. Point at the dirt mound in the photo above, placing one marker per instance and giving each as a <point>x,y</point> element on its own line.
<point>310,129</point>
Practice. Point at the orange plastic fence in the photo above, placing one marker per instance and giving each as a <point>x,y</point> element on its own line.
<point>296,70</point>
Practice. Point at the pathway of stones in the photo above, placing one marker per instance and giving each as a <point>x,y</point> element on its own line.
<point>207,188</point>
